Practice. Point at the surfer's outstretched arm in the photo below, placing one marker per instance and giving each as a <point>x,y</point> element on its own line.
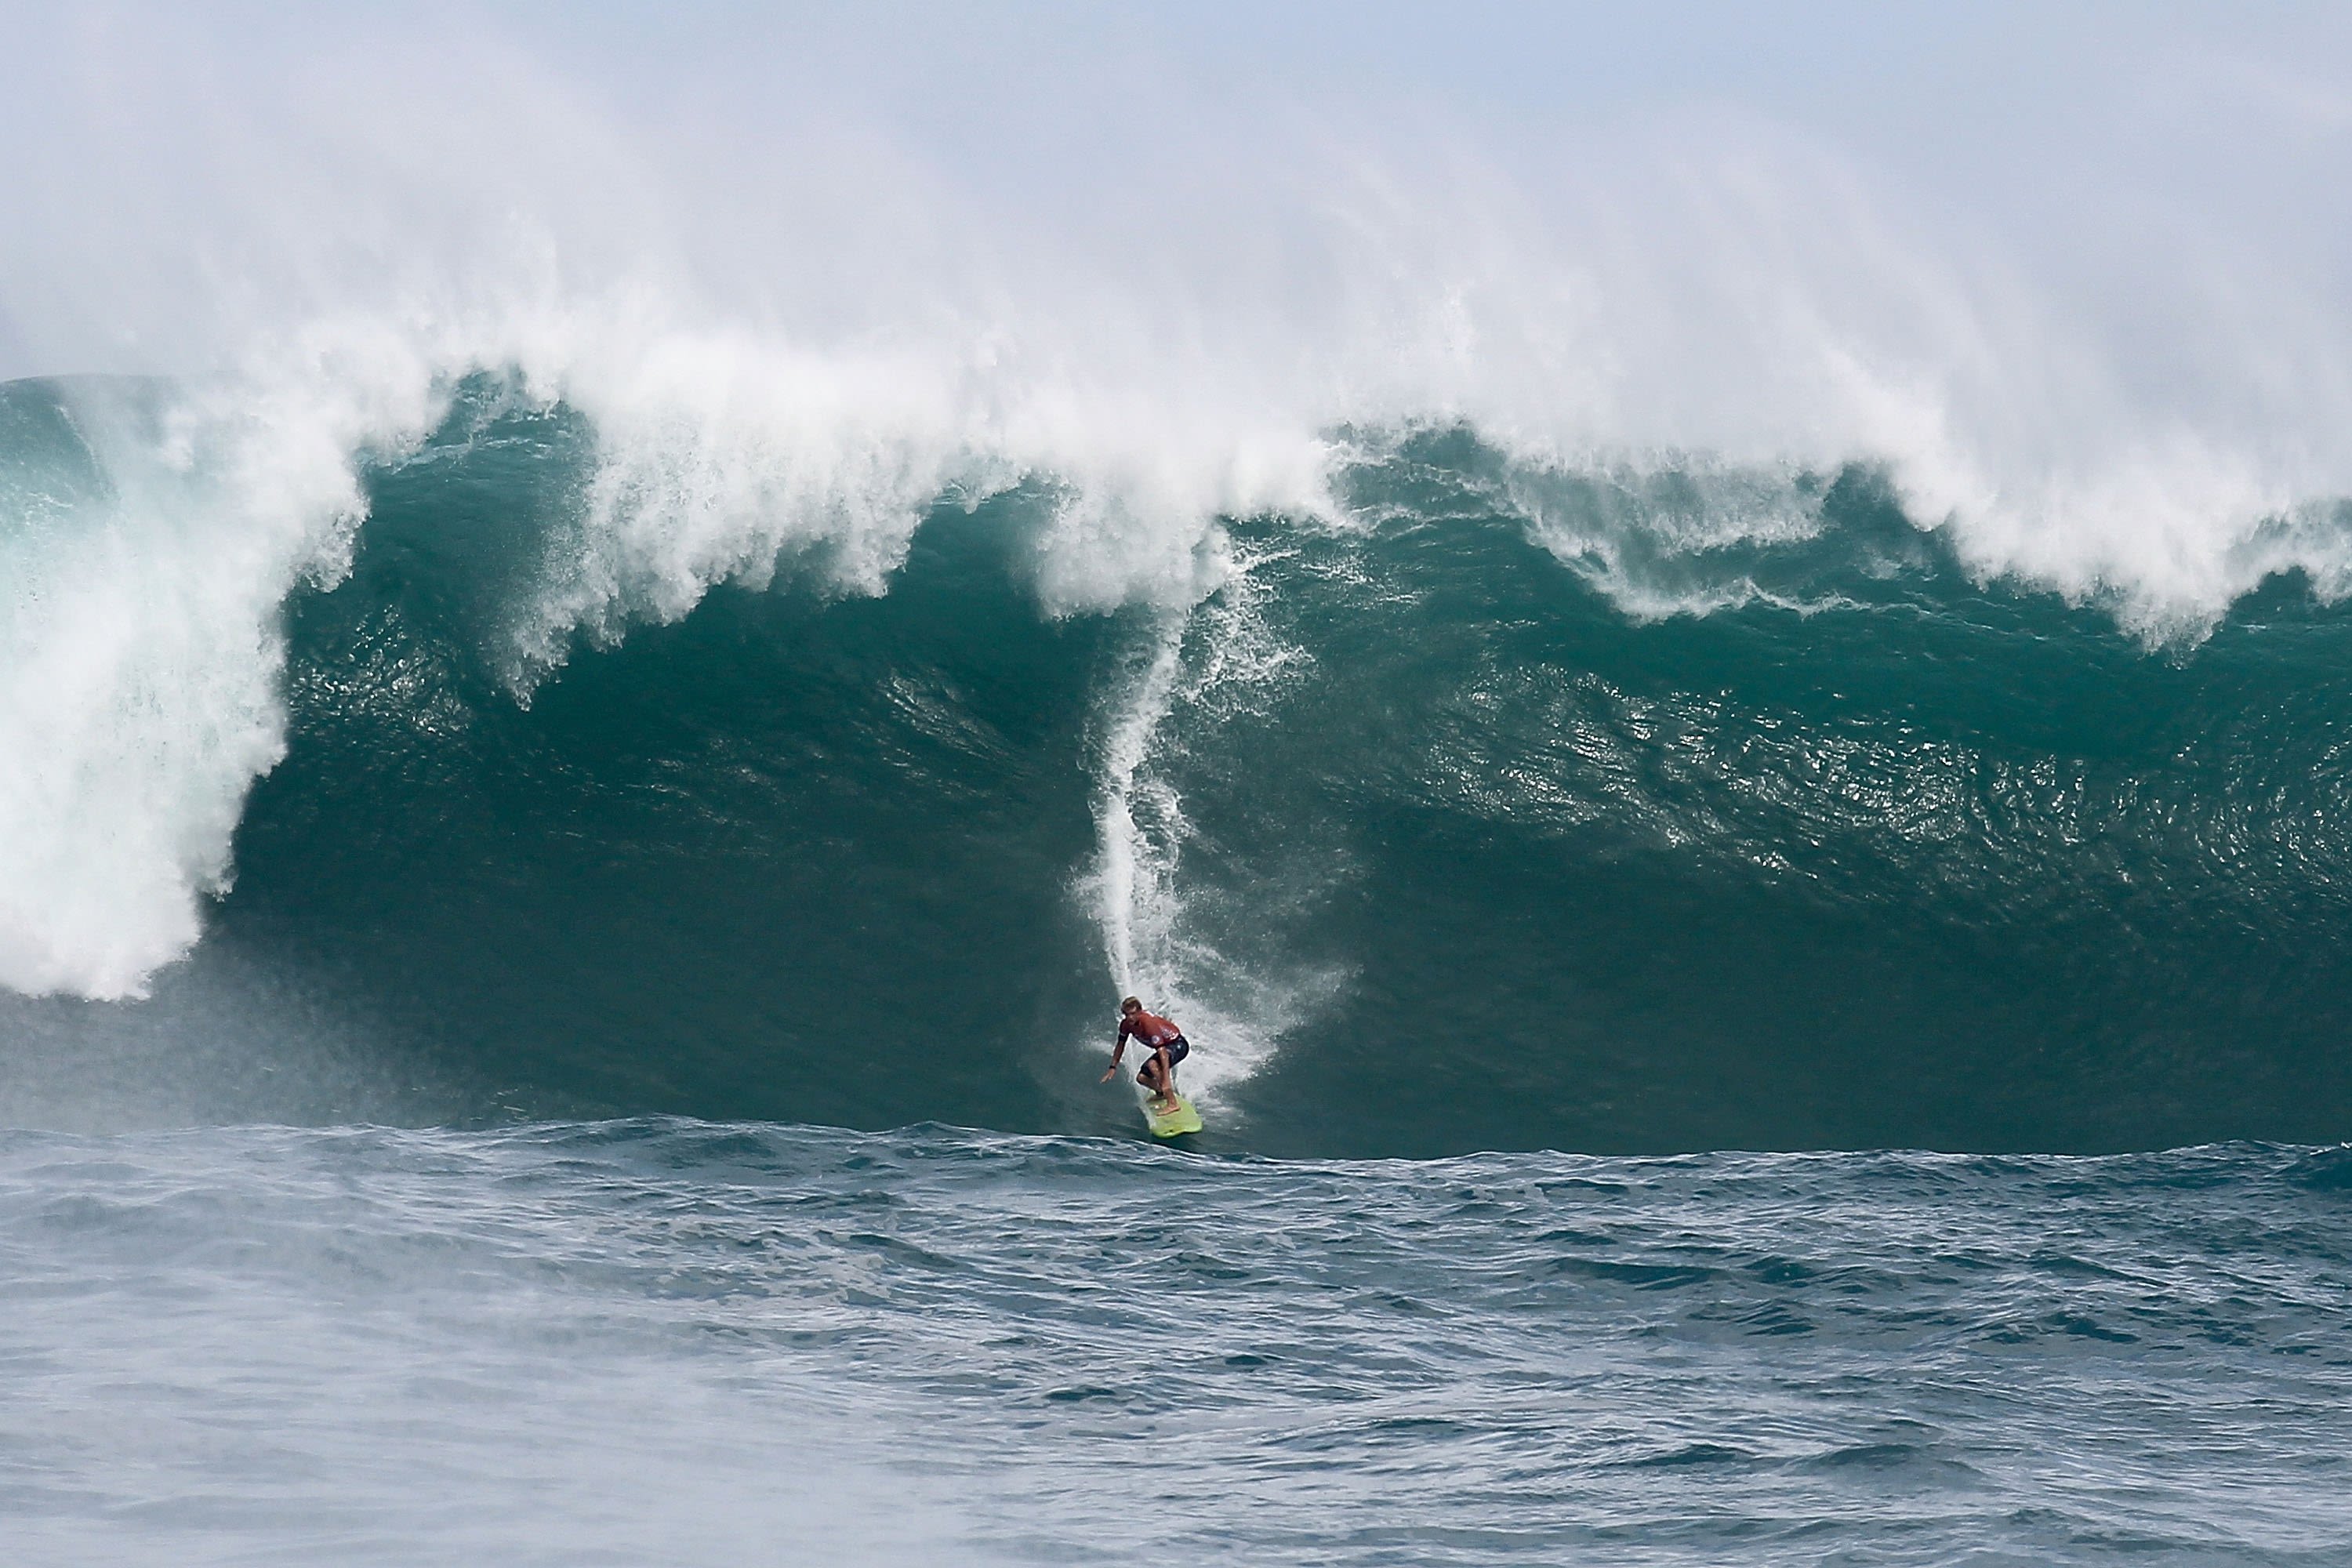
<point>1117,1052</point>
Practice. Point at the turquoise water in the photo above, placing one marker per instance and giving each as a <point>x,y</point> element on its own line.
<point>1432,844</point>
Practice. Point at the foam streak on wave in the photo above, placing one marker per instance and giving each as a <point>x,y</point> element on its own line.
<point>1134,864</point>
<point>1182,947</point>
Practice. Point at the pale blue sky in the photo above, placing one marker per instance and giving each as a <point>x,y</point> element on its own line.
<point>2117,153</point>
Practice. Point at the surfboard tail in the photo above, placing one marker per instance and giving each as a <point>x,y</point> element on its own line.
<point>1176,1121</point>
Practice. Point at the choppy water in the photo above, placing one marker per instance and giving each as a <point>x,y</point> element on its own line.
<point>697,1343</point>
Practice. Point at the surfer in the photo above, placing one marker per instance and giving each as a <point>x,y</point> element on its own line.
<point>1165,1042</point>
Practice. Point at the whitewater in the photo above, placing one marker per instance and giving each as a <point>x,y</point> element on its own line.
<point>1708,658</point>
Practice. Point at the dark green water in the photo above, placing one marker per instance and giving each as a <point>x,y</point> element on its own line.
<point>1868,853</point>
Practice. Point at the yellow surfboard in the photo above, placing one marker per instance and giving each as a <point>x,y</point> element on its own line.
<point>1173,1122</point>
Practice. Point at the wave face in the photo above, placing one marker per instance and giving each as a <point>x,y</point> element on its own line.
<point>1505,805</point>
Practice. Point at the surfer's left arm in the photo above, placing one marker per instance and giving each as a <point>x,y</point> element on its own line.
<point>1118,1054</point>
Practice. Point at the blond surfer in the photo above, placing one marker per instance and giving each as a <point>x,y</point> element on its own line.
<point>1162,1041</point>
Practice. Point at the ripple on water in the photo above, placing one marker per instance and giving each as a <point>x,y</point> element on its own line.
<point>668,1341</point>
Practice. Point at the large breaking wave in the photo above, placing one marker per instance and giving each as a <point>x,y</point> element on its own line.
<point>1476,800</point>
<point>768,568</point>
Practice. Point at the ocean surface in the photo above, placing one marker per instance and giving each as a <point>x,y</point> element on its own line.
<point>664,1342</point>
<point>537,1036</point>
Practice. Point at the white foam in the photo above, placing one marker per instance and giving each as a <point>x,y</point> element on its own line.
<point>721,454</point>
<point>1195,668</point>
<point>139,655</point>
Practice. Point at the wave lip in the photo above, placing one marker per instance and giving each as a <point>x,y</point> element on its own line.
<point>146,553</point>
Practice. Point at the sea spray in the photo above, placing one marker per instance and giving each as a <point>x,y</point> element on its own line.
<point>148,541</point>
<point>1182,947</point>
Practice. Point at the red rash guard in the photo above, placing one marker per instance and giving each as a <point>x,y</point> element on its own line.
<point>1149,1030</point>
